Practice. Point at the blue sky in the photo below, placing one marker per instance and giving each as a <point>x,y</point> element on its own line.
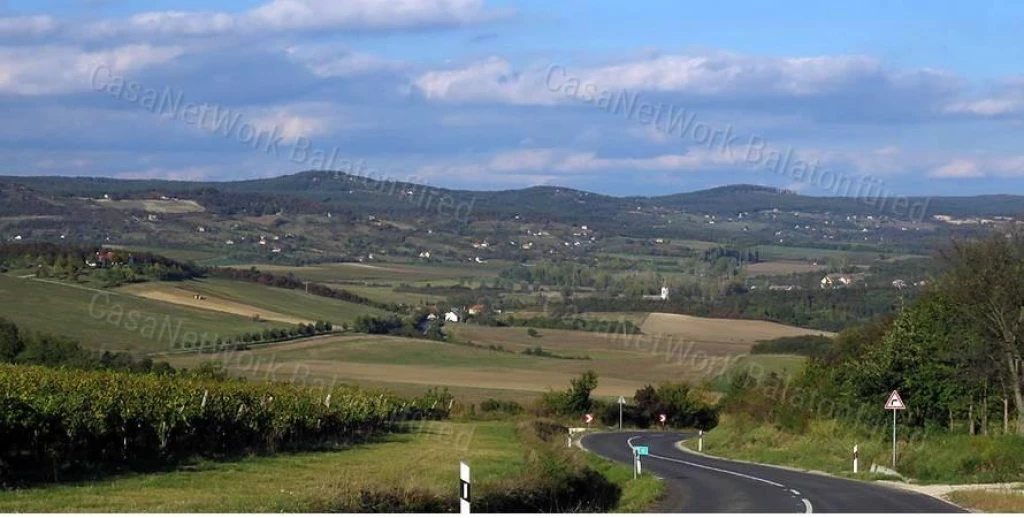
<point>647,98</point>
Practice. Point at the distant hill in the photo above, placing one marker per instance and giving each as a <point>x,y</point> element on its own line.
<point>343,190</point>
<point>317,216</point>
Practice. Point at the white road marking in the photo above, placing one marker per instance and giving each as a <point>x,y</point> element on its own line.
<point>807,505</point>
<point>808,508</point>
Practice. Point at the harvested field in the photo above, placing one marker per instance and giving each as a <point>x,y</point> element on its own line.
<point>720,330</point>
<point>184,297</point>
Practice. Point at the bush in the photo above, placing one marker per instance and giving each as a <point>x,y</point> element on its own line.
<point>573,402</point>
<point>501,406</point>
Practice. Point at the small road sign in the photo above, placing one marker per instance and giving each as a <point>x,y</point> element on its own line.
<point>641,450</point>
<point>622,400</point>
<point>587,418</point>
<point>662,418</point>
<point>895,402</point>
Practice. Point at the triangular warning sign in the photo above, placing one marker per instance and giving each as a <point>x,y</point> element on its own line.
<point>895,402</point>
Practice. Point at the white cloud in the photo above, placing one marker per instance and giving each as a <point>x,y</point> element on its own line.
<point>334,61</point>
<point>712,75</point>
<point>369,14</point>
<point>1008,100</point>
<point>489,80</point>
<point>271,17</point>
<point>981,167</point>
<point>957,169</point>
<point>63,69</point>
<point>295,121</point>
<point>18,27</point>
<point>547,162</point>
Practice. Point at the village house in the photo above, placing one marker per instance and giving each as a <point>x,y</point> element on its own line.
<point>835,280</point>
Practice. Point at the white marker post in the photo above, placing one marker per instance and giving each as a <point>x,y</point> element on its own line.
<point>463,488</point>
<point>700,440</point>
<point>894,403</point>
<point>855,465</point>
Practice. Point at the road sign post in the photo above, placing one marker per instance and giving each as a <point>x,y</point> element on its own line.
<point>700,440</point>
<point>894,403</point>
<point>463,488</point>
<point>638,451</point>
<point>855,463</point>
<point>662,418</point>
<point>622,401</point>
<point>587,418</point>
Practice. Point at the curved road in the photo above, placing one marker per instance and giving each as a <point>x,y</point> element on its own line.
<point>701,484</point>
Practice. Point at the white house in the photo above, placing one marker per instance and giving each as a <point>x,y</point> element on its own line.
<point>899,284</point>
<point>663,295</point>
<point>451,316</point>
<point>835,280</point>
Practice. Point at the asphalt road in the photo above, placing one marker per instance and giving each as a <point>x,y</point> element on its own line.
<point>696,483</point>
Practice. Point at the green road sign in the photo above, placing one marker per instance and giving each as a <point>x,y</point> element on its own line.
<point>641,450</point>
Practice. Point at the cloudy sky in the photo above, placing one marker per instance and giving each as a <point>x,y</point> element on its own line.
<point>653,98</point>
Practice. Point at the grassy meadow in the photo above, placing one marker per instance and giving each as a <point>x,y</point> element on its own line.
<point>247,298</point>
<point>427,460</point>
<point>111,320</point>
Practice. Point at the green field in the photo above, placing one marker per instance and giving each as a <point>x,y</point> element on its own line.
<point>776,252</point>
<point>407,351</point>
<point>280,300</point>
<point>387,294</point>
<point>178,254</point>
<point>110,320</point>
<point>309,482</point>
<point>760,365</point>
<point>387,272</point>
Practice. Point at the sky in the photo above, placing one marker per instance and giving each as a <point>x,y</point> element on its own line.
<point>644,98</point>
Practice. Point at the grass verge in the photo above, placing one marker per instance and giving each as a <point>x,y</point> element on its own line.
<point>989,501</point>
<point>827,445</point>
<point>638,495</point>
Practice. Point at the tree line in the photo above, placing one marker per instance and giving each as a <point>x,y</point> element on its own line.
<point>955,354</point>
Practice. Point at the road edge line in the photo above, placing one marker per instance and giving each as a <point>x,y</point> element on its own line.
<point>907,487</point>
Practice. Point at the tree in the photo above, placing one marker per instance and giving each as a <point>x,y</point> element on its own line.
<point>986,281</point>
<point>11,342</point>
<point>579,391</point>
